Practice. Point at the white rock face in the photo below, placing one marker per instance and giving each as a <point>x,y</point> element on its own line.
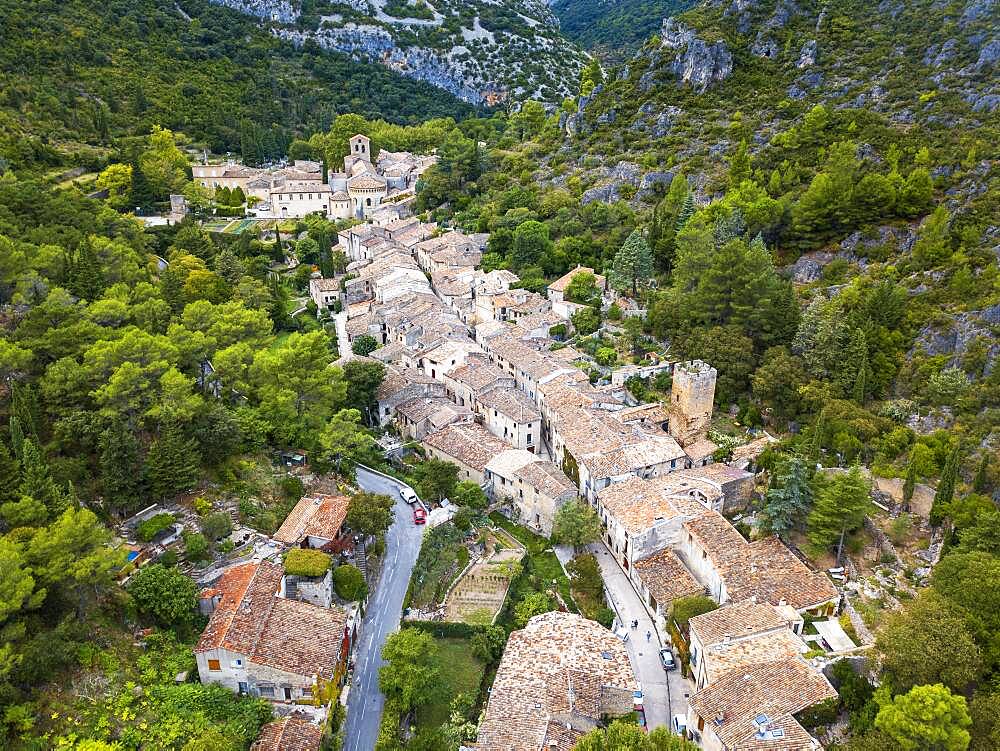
<point>696,62</point>
<point>499,49</point>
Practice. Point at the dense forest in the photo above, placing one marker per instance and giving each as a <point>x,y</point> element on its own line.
<point>613,31</point>
<point>78,77</point>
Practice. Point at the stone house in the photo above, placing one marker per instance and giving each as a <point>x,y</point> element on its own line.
<point>427,414</point>
<point>510,414</point>
<point>739,635</point>
<point>315,521</point>
<point>733,569</point>
<point>261,643</point>
<point>325,293</point>
<point>401,385</point>
<point>467,383</point>
<point>469,445</point>
<point>536,487</point>
<point>754,707</point>
<point>558,678</point>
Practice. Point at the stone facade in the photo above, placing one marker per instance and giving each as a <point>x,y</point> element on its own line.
<point>692,395</point>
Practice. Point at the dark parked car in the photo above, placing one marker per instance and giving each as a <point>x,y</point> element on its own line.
<point>667,659</point>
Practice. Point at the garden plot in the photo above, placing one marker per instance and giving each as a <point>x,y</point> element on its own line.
<point>479,594</point>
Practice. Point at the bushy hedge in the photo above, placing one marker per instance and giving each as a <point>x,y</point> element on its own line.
<point>153,526</point>
<point>447,629</point>
<point>306,562</point>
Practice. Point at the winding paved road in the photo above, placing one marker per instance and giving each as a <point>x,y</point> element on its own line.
<point>364,704</point>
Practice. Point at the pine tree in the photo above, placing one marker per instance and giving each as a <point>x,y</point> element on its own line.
<point>172,463</point>
<point>841,505</point>
<point>909,484</point>
<point>172,290</point>
<point>86,278</point>
<point>141,195</point>
<point>121,466</point>
<point>945,489</point>
<point>10,476</point>
<point>788,498</point>
<point>686,212</point>
<point>37,482</point>
<point>633,264</point>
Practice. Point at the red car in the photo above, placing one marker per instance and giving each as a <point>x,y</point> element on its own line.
<point>419,516</point>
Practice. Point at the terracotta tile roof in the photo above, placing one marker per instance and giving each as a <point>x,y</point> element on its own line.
<point>560,284</point>
<point>251,620</point>
<point>512,403</point>
<point>314,515</point>
<point>560,664</point>
<point>547,479</point>
<point>366,182</point>
<point>773,691</point>
<point>734,621</point>
<point>478,375</point>
<point>738,654</point>
<point>700,449</point>
<point>765,569</point>
<point>289,734</point>
<point>468,443</point>
<point>639,504</point>
<point>666,578</point>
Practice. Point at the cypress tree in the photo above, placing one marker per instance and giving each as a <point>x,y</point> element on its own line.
<point>981,482</point>
<point>141,194</point>
<point>121,466</point>
<point>172,462</point>
<point>25,407</point>
<point>818,436</point>
<point>945,489</point>
<point>16,437</point>
<point>686,212</point>
<point>10,476</point>
<point>909,483</point>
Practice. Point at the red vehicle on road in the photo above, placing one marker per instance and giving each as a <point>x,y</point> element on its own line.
<point>419,515</point>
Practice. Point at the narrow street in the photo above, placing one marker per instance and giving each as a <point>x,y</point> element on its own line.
<point>385,607</point>
<point>340,323</point>
<point>665,693</point>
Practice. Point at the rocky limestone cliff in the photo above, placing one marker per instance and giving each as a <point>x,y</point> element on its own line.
<point>482,51</point>
<point>695,62</point>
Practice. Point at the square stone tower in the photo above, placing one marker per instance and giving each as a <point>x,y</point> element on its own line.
<point>692,394</point>
<point>361,147</point>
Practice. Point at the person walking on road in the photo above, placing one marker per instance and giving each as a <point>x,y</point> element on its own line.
<point>648,635</point>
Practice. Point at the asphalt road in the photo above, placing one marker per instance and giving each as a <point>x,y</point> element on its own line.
<point>665,693</point>
<point>364,704</point>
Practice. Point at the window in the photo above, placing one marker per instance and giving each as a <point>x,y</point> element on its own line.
<point>214,665</point>
<point>530,441</point>
<point>267,690</point>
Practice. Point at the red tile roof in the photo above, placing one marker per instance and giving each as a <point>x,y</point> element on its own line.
<point>289,734</point>
<point>252,620</point>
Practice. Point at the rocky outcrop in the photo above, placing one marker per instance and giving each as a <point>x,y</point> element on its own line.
<point>764,46</point>
<point>695,63</point>
<point>963,332</point>
<point>807,56</point>
<point>452,50</point>
<point>270,10</point>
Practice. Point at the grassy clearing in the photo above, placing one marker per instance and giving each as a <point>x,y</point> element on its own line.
<point>461,674</point>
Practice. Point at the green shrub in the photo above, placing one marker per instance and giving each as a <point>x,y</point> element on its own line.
<point>216,526</point>
<point>153,526</point>
<point>306,562</point>
<point>350,582</point>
